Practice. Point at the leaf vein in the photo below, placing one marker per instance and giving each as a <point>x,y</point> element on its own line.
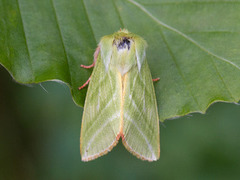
<point>25,38</point>
<point>63,45</point>
<point>182,34</point>
<point>221,78</point>
<point>91,28</point>
<point>118,13</point>
<point>177,66</point>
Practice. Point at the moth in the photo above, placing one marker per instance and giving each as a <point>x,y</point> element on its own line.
<point>120,100</point>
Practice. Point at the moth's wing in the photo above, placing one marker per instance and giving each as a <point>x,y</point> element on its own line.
<point>140,115</point>
<point>101,116</point>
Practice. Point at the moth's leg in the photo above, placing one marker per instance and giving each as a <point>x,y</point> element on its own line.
<point>157,79</point>
<point>94,61</point>
<point>85,84</point>
<point>90,66</point>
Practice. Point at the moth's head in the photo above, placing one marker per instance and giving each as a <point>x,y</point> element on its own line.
<point>123,40</point>
<point>129,46</point>
<point>123,43</point>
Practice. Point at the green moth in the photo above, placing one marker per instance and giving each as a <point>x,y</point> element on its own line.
<point>120,101</point>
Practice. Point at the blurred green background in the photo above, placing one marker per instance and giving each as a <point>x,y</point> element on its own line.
<point>39,139</point>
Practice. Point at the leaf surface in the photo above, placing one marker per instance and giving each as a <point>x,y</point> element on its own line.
<point>193,45</point>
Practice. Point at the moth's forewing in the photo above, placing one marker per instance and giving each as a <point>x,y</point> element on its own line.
<point>120,101</point>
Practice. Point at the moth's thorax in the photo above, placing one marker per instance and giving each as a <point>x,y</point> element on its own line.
<point>124,56</point>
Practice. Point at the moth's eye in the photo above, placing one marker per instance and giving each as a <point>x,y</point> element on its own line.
<point>124,43</point>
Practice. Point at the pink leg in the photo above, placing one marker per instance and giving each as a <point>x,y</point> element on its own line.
<point>85,84</point>
<point>157,79</point>
<point>95,59</point>
<point>90,66</point>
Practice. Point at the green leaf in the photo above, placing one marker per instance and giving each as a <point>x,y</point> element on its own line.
<point>194,45</point>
